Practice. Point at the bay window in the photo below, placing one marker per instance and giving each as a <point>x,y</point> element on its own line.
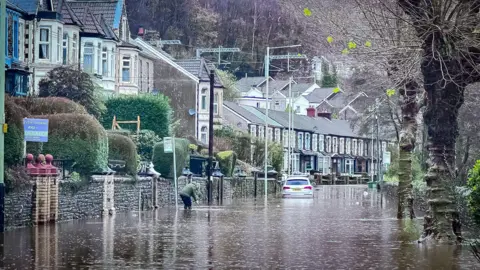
<point>44,43</point>
<point>126,69</point>
<point>324,164</point>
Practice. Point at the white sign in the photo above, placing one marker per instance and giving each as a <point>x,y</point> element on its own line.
<point>386,157</point>
<point>168,144</point>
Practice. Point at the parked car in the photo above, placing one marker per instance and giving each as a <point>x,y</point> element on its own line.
<point>296,186</point>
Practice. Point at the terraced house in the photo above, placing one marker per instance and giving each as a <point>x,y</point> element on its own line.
<point>319,142</point>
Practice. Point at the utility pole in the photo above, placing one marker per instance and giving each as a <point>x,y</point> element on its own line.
<point>210,138</point>
<point>3,34</point>
<point>289,139</point>
<point>267,76</point>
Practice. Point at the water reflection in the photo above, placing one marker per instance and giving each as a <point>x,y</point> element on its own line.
<point>344,227</point>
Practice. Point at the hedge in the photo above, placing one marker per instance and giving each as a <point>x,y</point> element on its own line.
<point>123,148</point>
<point>50,105</point>
<point>474,196</point>
<point>14,115</point>
<point>163,162</point>
<point>79,137</point>
<point>154,112</point>
<point>227,161</point>
<point>145,143</point>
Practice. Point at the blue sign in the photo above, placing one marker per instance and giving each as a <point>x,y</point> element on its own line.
<point>35,130</point>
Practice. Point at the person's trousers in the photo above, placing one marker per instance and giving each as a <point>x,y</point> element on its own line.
<point>187,201</point>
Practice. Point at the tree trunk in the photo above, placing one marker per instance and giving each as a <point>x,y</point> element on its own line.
<point>410,108</point>
<point>444,99</point>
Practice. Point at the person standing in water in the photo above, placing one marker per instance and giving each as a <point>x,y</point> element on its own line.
<point>188,193</point>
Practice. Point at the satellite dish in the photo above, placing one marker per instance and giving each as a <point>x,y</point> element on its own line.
<point>192,111</point>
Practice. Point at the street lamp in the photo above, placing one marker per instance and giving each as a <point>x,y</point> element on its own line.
<point>267,75</point>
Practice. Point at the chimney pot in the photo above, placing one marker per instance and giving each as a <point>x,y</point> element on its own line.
<point>141,31</point>
<point>311,112</point>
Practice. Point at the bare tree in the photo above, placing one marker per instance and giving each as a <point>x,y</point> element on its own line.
<point>451,55</point>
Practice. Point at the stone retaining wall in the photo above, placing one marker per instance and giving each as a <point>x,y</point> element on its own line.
<point>109,194</point>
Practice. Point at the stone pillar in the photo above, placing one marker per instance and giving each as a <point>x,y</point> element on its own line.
<point>45,177</point>
<point>108,194</point>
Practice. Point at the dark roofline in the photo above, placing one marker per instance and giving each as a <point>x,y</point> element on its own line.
<point>16,8</point>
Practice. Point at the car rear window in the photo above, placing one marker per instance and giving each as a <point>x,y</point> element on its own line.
<point>297,182</point>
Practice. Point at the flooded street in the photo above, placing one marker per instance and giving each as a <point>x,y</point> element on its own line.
<point>341,228</point>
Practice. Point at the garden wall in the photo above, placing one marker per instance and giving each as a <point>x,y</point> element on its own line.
<point>103,195</point>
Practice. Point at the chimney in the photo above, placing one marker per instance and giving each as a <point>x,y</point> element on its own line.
<point>311,112</point>
<point>141,31</point>
<point>325,115</point>
<point>246,75</point>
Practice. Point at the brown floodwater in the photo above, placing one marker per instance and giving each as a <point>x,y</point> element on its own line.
<point>341,228</point>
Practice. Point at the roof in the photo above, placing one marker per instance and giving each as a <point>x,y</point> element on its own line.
<point>337,101</point>
<point>275,85</point>
<point>260,115</point>
<point>297,89</point>
<point>111,10</point>
<point>198,67</point>
<point>246,83</point>
<point>243,112</point>
<point>155,51</point>
<point>29,6</point>
<point>318,95</point>
<point>68,16</point>
<point>12,6</point>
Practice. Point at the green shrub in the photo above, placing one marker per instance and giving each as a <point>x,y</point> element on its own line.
<point>145,143</point>
<point>154,112</point>
<point>79,137</point>
<point>227,161</point>
<point>50,105</point>
<point>123,148</point>
<point>14,115</point>
<point>474,196</point>
<point>163,162</point>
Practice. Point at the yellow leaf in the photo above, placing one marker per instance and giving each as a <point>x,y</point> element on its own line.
<point>299,54</point>
<point>336,90</point>
<point>390,92</point>
<point>352,45</point>
<point>368,44</point>
<point>307,12</point>
<point>329,39</point>
<point>345,51</point>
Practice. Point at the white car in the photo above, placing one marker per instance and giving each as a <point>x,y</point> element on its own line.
<point>297,187</point>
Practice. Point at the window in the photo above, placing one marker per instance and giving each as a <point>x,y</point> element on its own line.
<point>295,162</point>
<point>384,147</point>
<point>360,147</point>
<point>300,141</point>
<point>126,65</point>
<point>134,66</point>
<point>88,57</point>
<point>140,78</point>
<point>203,101</point>
<point>59,44</point>
<point>297,110</point>
<point>349,166</point>
<point>44,43</point>
<point>277,103</point>
<point>329,144</point>
<point>335,145</point>
<point>342,145</point>
<point>285,138</point>
<point>10,36</point>
<point>321,143</point>
<point>253,131</point>
<point>74,48</point>
<point>148,77</point>
<point>204,134</point>
<point>65,48</point>
<point>261,132</point>
<point>215,104</point>
<point>307,141</point>
<point>270,134</point>
<point>354,147</point>
<point>348,146</point>
<point>366,149</point>
<point>112,63</point>
<point>324,165</point>
<point>277,135</point>
<point>315,142</point>
<point>21,41</point>
<point>104,61</point>
<point>258,104</point>
<point>99,58</point>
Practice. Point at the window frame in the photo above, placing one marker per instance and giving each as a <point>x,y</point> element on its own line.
<point>285,137</point>
<point>126,59</point>
<point>74,48</point>
<point>308,141</point>
<point>59,44</point>
<point>315,142</point>
<point>88,50</point>
<point>21,41</point>
<point>301,142</point>
<point>65,43</point>
<point>204,99</point>
<point>204,134</point>
<point>46,43</point>
<point>215,103</point>
<point>348,146</point>
<point>321,143</point>
<point>334,145</point>
<point>105,69</point>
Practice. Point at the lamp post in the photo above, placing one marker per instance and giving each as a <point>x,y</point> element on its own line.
<point>267,75</point>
